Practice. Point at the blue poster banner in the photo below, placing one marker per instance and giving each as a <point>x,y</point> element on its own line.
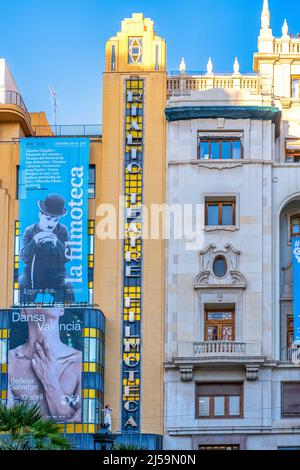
<point>296,286</point>
<point>53,216</point>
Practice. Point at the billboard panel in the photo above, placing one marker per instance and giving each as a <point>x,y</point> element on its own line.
<point>45,361</point>
<point>53,214</point>
<point>296,286</point>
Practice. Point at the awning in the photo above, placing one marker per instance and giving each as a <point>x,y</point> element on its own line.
<point>261,113</point>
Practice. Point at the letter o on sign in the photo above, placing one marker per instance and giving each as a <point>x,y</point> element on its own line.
<point>131,361</point>
<point>134,168</point>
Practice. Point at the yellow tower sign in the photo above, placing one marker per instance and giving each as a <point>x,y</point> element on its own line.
<point>131,272</point>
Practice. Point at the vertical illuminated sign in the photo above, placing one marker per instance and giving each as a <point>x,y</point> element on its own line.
<point>296,286</point>
<point>133,253</point>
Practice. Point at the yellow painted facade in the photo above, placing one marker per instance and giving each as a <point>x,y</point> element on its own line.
<point>153,70</point>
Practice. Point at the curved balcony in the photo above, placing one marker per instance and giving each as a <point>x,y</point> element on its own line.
<point>14,98</point>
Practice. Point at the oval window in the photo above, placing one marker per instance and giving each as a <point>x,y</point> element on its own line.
<point>220,266</point>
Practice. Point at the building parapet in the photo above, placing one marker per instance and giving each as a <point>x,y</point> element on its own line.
<point>193,81</point>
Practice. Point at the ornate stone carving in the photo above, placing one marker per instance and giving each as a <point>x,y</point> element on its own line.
<point>252,372</point>
<point>207,278</point>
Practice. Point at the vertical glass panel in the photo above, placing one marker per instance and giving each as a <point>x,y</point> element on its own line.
<point>91,411</point>
<point>113,57</point>
<point>212,333</point>
<point>227,333</point>
<point>91,189</point>
<point>219,406</point>
<point>215,153</point>
<point>204,150</point>
<point>226,150</point>
<point>227,214</point>
<point>86,349</point>
<point>234,406</point>
<point>213,214</point>
<point>203,406</point>
<point>91,296</point>
<point>3,351</point>
<point>93,350</point>
<point>295,88</point>
<point>236,150</point>
<point>156,57</point>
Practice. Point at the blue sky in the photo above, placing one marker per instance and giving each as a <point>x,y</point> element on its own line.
<point>61,43</point>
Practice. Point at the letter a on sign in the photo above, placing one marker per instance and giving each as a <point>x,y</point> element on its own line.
<point>130,422</point>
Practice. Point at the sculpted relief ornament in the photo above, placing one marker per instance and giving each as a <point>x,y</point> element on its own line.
<point>219,268</point>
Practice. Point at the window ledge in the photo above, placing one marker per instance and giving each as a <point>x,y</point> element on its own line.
<point>228,228</point>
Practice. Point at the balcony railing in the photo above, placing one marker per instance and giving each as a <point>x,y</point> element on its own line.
<point>13,97</point>
<point>290,355</point>
<point>69,130</point>
<point>219,347</point>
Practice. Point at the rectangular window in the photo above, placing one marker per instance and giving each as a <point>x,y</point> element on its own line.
<point>219,148</point>
<point>219,212</point>
<point>292,150</point>
<point>296,87</point>
<point>290,399</point>
<point>219,400</point>
<point>92,182</point>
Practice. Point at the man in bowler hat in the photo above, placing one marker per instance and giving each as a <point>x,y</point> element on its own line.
<point>43,252</point>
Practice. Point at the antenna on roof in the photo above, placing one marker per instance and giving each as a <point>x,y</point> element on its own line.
<point>53,94</point>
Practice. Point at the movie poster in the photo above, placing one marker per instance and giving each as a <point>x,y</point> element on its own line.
<point>45,361</point>
<point>53,215</point>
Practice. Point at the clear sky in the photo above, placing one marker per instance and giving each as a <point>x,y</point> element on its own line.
<point>61,43</point>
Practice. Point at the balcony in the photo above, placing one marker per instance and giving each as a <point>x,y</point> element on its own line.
<point>13,109</point>
<point>13,97</point>
<point>219,347</point>
<point>291,355</point>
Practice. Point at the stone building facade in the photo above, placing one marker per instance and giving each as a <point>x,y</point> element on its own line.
<point>232,376</point>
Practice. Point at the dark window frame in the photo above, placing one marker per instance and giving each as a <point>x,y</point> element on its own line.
<point>220,203</point>
<point>220,140</point>
<point>211,400</point>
